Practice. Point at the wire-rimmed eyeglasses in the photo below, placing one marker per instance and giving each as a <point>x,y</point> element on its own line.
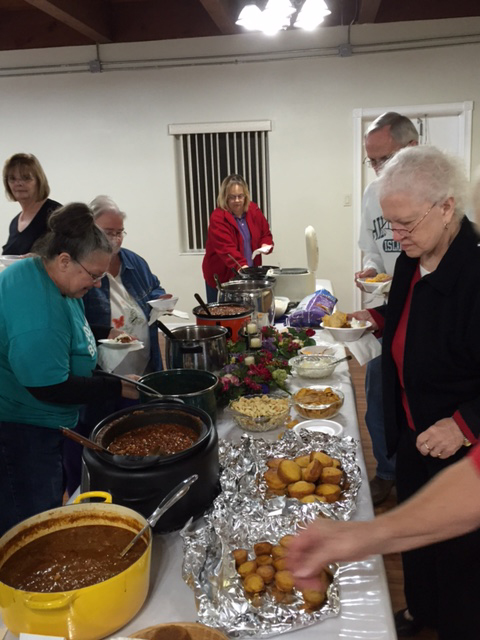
<point>92,275</point>
<point>115,234</point>
<point>404,232</point>
<point>377,162</point>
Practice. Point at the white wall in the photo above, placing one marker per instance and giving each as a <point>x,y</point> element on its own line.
<point>107,132</point>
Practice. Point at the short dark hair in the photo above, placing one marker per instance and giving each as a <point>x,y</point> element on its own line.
<point>402,129</point>
<point>27,164</point>
<point>72,230</point>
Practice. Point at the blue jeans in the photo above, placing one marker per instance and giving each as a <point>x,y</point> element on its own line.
<point>374,419</point>
<point>31,473</point>
<point>212,293</point>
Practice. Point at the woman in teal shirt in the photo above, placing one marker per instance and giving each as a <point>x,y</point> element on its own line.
<point>47,358</point>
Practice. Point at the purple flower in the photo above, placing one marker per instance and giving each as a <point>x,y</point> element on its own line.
<point>269,345</point>
<point>229,368</point>
<point>265,388</point>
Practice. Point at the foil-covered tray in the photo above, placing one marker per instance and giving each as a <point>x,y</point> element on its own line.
<point>244,464</point>
<point>243,515</point>
<point>209,569</point>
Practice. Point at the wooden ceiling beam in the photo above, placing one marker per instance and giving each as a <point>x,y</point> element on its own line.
<point>368,11</point>
<point>88,17</point>
<point>220,15</point>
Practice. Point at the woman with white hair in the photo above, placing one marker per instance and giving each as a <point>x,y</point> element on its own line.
<point>431,391</point>
<point>118,305</point>
<point>121,301</point>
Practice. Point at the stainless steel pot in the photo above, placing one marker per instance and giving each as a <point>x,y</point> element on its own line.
<point>197,347</point>
<point>258,293</point>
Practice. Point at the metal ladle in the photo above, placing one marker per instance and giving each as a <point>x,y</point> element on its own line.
<point>170,499</point>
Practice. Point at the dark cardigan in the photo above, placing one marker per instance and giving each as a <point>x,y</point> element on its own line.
<point>442,344</point>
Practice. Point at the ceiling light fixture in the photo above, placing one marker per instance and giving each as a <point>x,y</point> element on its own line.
<point>277,15</point>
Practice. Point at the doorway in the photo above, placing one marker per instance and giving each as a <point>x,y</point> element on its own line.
<point>447,126</point>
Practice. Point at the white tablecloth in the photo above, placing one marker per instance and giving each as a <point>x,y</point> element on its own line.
<point>366,612</point>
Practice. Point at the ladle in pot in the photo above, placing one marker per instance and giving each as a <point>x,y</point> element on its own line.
<point>170,499</point>
<point>136,383</point>
<point>202,304</point>
<point>165,330</point>
<point>86,442</point>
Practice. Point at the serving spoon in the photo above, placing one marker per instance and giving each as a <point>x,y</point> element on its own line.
<point>170,499</point>
<point>202,304</point>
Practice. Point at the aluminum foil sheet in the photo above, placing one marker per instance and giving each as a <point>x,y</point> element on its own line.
<point>244,464</point>
<point>209,569</point>
<point>240,517</point>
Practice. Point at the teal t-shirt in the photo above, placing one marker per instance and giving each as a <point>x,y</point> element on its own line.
<point>44,338</point>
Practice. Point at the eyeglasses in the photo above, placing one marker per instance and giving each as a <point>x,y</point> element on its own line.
<point>115,234</point>
<point>12,179</point>
<point>240,197</point>
<point>404,232</point>
<point>92,275</point>
<point>377,162</point>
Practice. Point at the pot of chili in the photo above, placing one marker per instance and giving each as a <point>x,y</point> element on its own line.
<point>174,441</point>
<point>233,316</point>
<point>61,573</point>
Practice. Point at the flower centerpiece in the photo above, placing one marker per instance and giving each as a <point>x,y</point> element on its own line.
<point>264,370</point>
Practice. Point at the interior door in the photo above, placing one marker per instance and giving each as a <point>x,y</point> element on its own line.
<point>447,126</point>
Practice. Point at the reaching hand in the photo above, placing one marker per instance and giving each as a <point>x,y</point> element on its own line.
<point>129,390</point>
<point>365,273</point>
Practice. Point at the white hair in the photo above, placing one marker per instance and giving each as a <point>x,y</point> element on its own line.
<point>425,173</point>
<point>105,204</point>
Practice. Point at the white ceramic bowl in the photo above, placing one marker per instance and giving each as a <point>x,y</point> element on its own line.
<point>330,427</point>
<point>281,304</point>
<point>347,335</point>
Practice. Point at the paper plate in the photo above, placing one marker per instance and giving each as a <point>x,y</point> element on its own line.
<point>113,344</point>
<point>163,304</point>
<point>330,427</point>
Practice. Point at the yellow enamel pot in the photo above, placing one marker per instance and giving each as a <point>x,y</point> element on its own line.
<point>87,613</point>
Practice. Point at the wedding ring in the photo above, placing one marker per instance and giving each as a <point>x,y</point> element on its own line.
<point>426,446</point>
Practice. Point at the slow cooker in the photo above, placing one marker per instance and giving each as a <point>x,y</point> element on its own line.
<point>142,484</point>
<point>232,316</point>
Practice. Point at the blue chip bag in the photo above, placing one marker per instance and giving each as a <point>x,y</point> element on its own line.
<point>311,309</point>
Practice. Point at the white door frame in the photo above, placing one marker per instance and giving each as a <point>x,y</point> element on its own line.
<point>461,109</point>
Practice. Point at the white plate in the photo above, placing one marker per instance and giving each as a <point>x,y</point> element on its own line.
<point>371,287</point>
<point>113,344</point>
<point>329,427</point>
<point>163,304</point>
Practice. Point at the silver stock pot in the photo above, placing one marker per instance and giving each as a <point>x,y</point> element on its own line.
<point>197,347</point>
<point>257,293</point>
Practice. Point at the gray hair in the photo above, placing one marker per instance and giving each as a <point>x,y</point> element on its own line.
<point>402,129</point>
<point>425,174</point>
<point>104,204</point>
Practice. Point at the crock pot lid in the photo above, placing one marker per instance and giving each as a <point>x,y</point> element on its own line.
<point>293,271</point>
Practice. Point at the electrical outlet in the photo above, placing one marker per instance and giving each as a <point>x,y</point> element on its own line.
<point>347,200</point>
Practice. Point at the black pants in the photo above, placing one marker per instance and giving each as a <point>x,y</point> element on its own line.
<point>442,581</point>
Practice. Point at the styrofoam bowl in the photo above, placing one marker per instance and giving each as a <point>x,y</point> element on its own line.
<point>347,335</point>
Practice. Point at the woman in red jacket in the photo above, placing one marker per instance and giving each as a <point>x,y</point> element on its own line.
<point>237,228</point>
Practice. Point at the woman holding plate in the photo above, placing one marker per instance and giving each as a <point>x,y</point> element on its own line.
<point>118,305</point>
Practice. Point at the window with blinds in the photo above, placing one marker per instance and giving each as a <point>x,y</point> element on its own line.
<point>208,153</point>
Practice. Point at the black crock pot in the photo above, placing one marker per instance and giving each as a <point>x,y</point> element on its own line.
<point>143,487</point>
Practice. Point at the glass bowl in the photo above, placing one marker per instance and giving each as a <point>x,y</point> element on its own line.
<point>313,366</point>
<point>318,401</point>
<point>260,412</point>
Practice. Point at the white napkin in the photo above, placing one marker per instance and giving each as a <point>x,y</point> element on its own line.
<point>365,348</point>
<point>156,314</point>
<point>265,249</point>
<point>109,359</point>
